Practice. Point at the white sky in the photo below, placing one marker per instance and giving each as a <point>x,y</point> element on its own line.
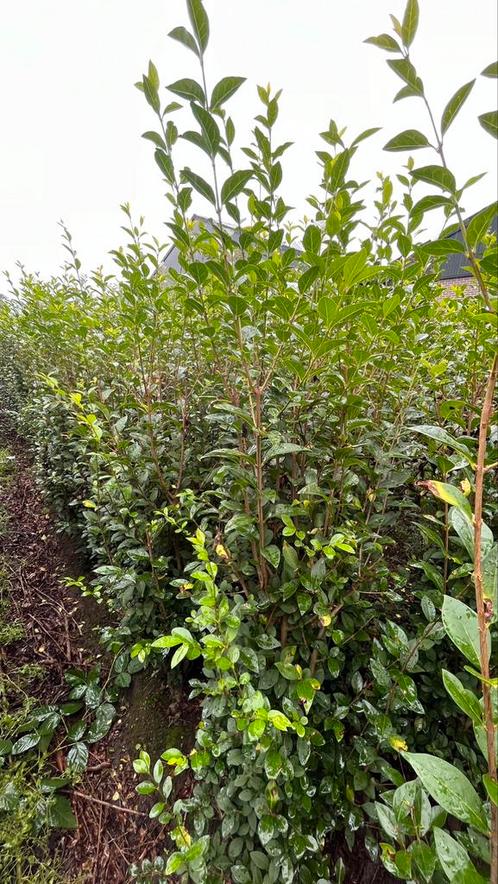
<point>70,145</point>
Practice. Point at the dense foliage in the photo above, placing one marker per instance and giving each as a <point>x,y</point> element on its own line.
<point>247,446</point>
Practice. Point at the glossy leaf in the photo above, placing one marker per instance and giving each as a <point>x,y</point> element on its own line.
<point>450,788</point>
<point>464,699</point>
<point>23,744</point>
<point>444,438</point>
<point>491,788</point>
<point>455,860</point>
<point>461,625</point>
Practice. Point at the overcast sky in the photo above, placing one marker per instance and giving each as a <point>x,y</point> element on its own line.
<point>70,146</point>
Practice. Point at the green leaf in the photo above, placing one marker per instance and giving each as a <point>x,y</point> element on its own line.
<point>165,164</point>
<point>444,438</point>
<point>462,524</point>
<point>256,729</point>
<point>273,763</point>
<point>478,226</point>
<point>384,41</point>
<point>436,175</point>
<point>404,69</point>
<point>339,167</point>
<point>464,699</point>
<point>104,716</point>
<point>166,641</point>
<point>200,185</point>
<point>491,788</point>
<point>455,104</point>
<point>406,92</point>
<point>410,139</point>
<point>387,820</point>
<point>267,829</point>
<point>312,239</point>
<point>455,860</point>
<point>433,201</point>
<point>272,555</point>
<point>424,859</point>
<point>234,185</point>
<point>460,623</point>
<point>189,89</point>
<point>185,37</point>
<point>307,279</point>
<point>179,654</point>
<point>199,22</point>
<point>450,788</point>
<point>366,134</point>
<point>280,449</point>
<point>490,574</point>
<point>489,122</point>
<point>290,556</point>
<point>278,720</point>
<point>156,809</point>
<point>410,22</point>
<point>25,743</point>
<point>289,671</point>
<point>224,90</point>
<point>60,813</point>
<point>77,757</point>
<point>307,688</point>
<point>491,70</point>
<point>442,247</point>
<point>209,128</point>
<point>151,94</point>
<point>153,76</point>
<point>145,788</point>
<point>173,756</point>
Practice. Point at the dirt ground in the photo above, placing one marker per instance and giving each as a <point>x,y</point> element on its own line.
<point>59,633</point>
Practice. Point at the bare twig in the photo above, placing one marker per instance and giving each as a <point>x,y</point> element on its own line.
<point>117,807</point>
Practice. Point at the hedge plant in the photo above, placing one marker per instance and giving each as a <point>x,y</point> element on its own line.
<point>278,457</point>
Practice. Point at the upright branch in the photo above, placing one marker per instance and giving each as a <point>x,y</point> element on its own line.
<point>484,605</point>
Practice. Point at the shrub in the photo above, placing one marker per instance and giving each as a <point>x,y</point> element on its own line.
<point>239,442</point>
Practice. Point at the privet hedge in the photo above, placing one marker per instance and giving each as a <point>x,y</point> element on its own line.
<point>272,455</point>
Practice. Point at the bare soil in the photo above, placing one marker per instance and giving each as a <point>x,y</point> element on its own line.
<point>59,632</point>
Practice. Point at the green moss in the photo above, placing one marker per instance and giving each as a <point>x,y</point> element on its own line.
<point>6,463</point>
<point>153,719</point>
<point>11,632</point>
